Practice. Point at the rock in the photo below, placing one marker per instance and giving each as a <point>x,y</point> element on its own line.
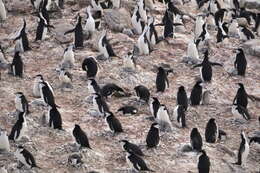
<point>117,20</point>
<point>18,6</point>
<point>252,4</point>
<point>83,3</point>
<point>242,21</point>
<point>252,47</point>
<point>128,32</point>
<point>95,38</point>
<point>128,5</point>
<point>75,160</point>
<point>59,31</point>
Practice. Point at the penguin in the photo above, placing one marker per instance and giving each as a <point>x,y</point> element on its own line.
<point>240,62</point>
<point>90,22</point>
<point>219,16</point>
<point>204,36</point>
<point>233,29</point>
<point>182,98</point>
<point>196,140</point>
<point>19,129</point>
<point>243,150</point>
<point>129,61</point>
<point>21,103</point>
<point>36,4</point>
<point>142,10</point>
<point>2,11</point>
<point>143,93</point>
<point>143,43</point>
<point>4,142</point>
<point>100,104</point>
<point>206,68</point>
<point>221,34</point>
<point>214,6</point>
<point>25,157</point>
<point>42,27</point>
<point>154,106</point>
<point>153,138</point>
<point>201,3</point>
<point>151,33</point>
<point>95,4</point>
<point>131,147</point>
<point>211,131</point>
<point>238,111</point>
<point>44,11</point>
<point>241,97</point>
<point>137,22</point>
<point>75,160</point>
<point>65,78</point>
<point>104,46</point>
<point>245,33</point>
<point>179,113</point>
<point>196,94</point>
<point>136,163</point>
<point>210,20</point>
<point>203,162</point>
<point>168,24</point>
<point>47,95</point>
<point>22,38</point>
<point>68,60</point>
<point>192,50</point>
<point>109,89</point>
<point>198,26</point>
<point>206,97</point>
<point>90,65</point>
<point>55,120</point>
<point>113,123</point>
<point>80,137</point>
<point>36,86</point>
<point>161,80</point>
<point>93,87</point>
<point>255,139</point>
<point>78,32</point>
<point>128,110</point>
<point>163,118</point>
<point>17,66</point>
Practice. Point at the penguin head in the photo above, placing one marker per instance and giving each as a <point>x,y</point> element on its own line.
<point>160,69</point>
<point>212,120</point>
<point>108,114</point>
<point>154,99</point>
<point>239,50</point>
<point>91,82</point>
<point>123,141</point>
<point>18,94</point>
<point>42,84</point>
<point>20,148</point>
<point>77,126</point>
<point>199,83</point>
<point>181,89</point>
<point>195,130</point>
<point>241,85</point>
<point>155,125</point>
<point>163,107</point>
<point>39,78</point>
<point>203,152</point>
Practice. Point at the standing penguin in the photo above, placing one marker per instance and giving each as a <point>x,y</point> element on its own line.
<point>245,33</point>
<point>130,147</point>
<point>78,32</point>
<point>143,93</point>
<point>243,150</point>
<point>238,111</point>
<point>206,69</point>
<point>137,22</point>
<point>80,137</point>
<point>90,65</point>
<point>211,131</point>
<point>240,62</point>
<point>104,46</point>
<point>182,98</point>
<point>192,50</point>
<point>142,9</point>
<point>2,11</point>
<point>153,138</point>
<point>179,113</point>
<point>68,60</point>
<point>65,78</point>
<point>19,129</point>
<point>93,87</point>
<point>21,103</point>
<point>4,142</point>
<point>151,32</point>
<point>36,85</point>
<point>161,80</point>
<point>163,118</point>
<point>113,123</point>
<point>196,140</point>
<point>196,94</point>
<point>55,120</point>
<point>233,29</point>
<point>17,67</point>
<point>143,43</point>
<point>241,97</point>
<point>198,26</point>
<point>25,157</point>
<point>42,27</point>
<point>23,39</point>
<point>111,88</point>
<point>90,22</point>
<point>136,163</point>
<point>100,104</point>
<point>46,94</point>
<point>129,61</point>
<point>203,163</point>
<point>154,106</point>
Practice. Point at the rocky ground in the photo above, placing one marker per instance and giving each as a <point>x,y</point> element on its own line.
<point>51,148</point>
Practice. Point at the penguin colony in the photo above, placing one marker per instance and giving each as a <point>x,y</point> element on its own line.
<point>215,24</point>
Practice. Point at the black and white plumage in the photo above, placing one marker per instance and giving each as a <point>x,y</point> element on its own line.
<point>75,160</point>
<point>128,110</point>
<point>241,97</point>
<point>105,47</point>
<point>55,120</point>
<point>2,11</point>
<point>246,34</point>
<point>4,142</point>
<point>233,29</point>
<point>131,147</point>
<point>199,26</point>
<point>80,137</point>
<point>211,131</point>
<point>90,65</point>
<point>151,32</point>
<point>143,93</point>
<point>22,39</point>
<point>47,95</point>
<point>42,27</point>
<point>136,163</point>
<point>93,86</point>
<point>78,33</point>
<point>19,129</point>
<point>180,117</point>
<point>203,162</point>
<point>240,62</point>
<point>36,85</point>
<point>153,138</point>
<point>222,34</point>
<point>137,22</point>
<point>90,22</point>
<point>255,139</point>
<point>206,68</point>
<point>25,157</point>
<point>143,43</point>
<point>243,150</point>
<point>161,80</point>
<point>196,94</point>
<point>163,118</point>
<point>239,111</point>
<point>21,103</point>
<point>68,60</point>
<point>142,10</point>
<point>113,123</point>
<point>196,140</point>
<point>100,104</point>
<point>154,106</point>
<point>66,78</point>
<point>109,89</point>
<point>219,16</point>
<point>182,98</point>
<point>192,50</point>
<point>129,61</point>
<point>204,36</point>
<point>17,66</point>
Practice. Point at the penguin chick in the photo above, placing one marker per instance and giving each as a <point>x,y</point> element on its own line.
<point>68,60</point>
<point>65,78</point>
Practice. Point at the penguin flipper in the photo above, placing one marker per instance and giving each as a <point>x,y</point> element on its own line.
<point>69,31</point>
<point>215,63</point>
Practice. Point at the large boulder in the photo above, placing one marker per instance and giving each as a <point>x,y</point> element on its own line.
<point>252,47</point>
<point>252,4</point>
